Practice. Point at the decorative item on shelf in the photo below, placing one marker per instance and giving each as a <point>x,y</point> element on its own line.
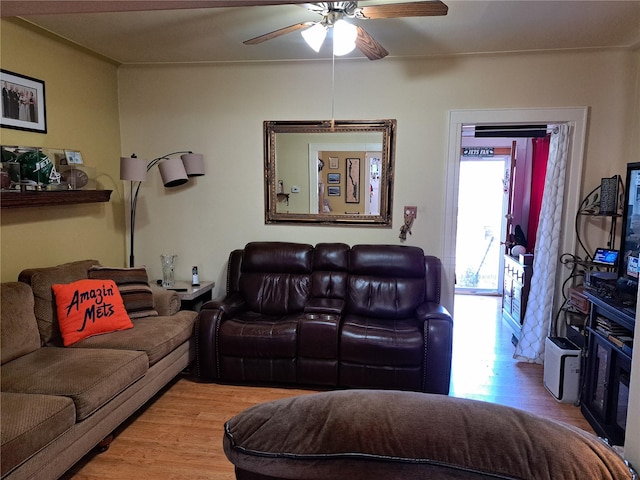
<point>78,177</point>
<point>30,168</point>
<point>74,174</point>
<point>280,195</point>
<point>174,172</point>
<point>594,203</point>
<point>609,195</point>
<point>10,176</point>
<point>73,157</point>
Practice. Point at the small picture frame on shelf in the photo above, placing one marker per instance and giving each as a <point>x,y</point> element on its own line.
<point>73,157</point>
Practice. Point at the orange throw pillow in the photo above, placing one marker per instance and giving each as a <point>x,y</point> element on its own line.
<point>89,307</point>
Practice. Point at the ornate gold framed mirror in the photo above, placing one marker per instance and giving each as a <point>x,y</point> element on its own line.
<point>329,172</point>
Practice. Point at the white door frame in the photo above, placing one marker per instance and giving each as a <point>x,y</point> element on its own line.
<point>575,117</point>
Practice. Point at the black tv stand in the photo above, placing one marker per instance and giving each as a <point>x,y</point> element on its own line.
<point>607,369</point>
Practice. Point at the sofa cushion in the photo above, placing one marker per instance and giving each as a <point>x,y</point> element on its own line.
<point>381,342</point>
<point>276,277</point>
<point>41,280</point>
<point>156,336</point>
<point>133,284</point>
<point>19,330</point>
<point>265,337</point>
<point>372,434</point>
<point>29,423</point>
<point>385,281</point>
<point>89,307</point>
<point>90,377</point>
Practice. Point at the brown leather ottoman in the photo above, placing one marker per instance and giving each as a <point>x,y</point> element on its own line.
<point>382,434</point>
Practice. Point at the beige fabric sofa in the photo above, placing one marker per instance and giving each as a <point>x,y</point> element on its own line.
<point>57,403</point>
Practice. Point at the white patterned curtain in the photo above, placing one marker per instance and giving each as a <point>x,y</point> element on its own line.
<point>537,319</point>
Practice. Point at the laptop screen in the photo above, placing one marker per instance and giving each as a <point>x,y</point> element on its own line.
<point>604,256</point>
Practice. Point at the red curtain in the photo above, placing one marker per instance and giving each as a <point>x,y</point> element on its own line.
<point>539,157</point>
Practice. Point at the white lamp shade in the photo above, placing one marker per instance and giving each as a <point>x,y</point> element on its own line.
<point>344,37</point>
<point>172,172</point>
<point>314,36</point>
<point>193,164</point>
<point>133,169</point>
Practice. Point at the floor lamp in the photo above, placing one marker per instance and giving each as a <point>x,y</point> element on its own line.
<point>174,172</point>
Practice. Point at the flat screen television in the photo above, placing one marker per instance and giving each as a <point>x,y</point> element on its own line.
<point>630,240</point>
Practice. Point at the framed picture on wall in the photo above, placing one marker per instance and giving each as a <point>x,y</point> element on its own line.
<point>333,162</point>
<point>23,103</point>
<point>333,178</point>
<point>352,187</point>
<point>333,191</point>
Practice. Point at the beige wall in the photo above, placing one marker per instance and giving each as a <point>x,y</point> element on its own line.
<point>82,114</point>
<point>219,109</point>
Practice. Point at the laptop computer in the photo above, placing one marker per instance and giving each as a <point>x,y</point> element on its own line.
<point>606,257</point>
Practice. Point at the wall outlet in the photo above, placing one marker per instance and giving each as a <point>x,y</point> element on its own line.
<point>411,211</point>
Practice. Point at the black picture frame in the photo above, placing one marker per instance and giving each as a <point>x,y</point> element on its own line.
<point>352,180</point>
<point>23,103</point>
<point>333,191</point>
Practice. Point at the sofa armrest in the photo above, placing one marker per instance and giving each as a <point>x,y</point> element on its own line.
<point>438,337</point>
<point>330,306</point>
<point>166,302</point>
<point>206,332</point>
<point>228,305</point>
<point>430,310</point>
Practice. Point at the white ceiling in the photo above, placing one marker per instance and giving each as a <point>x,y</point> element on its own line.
<point>476,26</point>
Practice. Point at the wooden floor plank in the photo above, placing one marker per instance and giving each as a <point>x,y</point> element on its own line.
<point>178,435</point>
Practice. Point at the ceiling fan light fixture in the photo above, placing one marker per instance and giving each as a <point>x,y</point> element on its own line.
<point>344,37</point>
<point>315,35</point>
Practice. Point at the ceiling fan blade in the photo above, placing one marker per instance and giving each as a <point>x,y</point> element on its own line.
<point>369,46</point>
<point>314,7</point>
<point>277,33</point>
<point>429,8</point>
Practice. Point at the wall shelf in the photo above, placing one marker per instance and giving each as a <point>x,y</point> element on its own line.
<point>52,198</point>
<point>283,197</point>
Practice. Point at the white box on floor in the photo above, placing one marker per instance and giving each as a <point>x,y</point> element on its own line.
<point>562,369</point>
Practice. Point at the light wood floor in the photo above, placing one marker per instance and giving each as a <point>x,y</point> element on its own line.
<point>178,435</point>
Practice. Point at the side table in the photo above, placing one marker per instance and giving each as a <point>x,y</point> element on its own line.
<point>192,297</point>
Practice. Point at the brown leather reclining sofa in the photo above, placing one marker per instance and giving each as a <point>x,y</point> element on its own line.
<point>367,316</point>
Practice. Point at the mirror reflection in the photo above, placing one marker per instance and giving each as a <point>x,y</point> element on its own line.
<point>329,173</point>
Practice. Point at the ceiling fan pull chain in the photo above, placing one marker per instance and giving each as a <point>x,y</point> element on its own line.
<point>333,89</point>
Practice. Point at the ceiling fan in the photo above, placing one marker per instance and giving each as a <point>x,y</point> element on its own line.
<point>333,16</point>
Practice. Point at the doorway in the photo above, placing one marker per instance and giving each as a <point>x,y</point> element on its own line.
<point>482,224</point>
<point>575,118</point>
